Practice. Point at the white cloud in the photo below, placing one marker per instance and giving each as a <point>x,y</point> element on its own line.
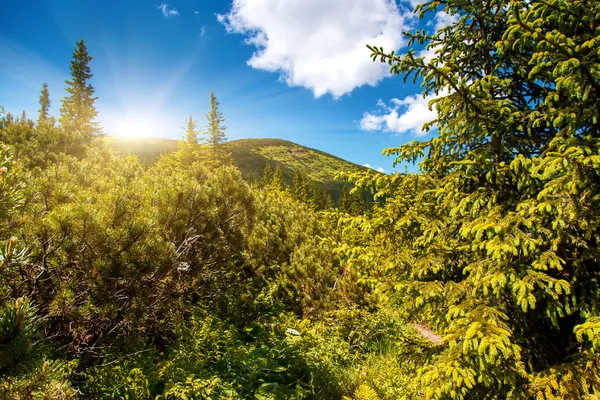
<point>414,3</point>
<point>403,116</point>
<point>202,31</point>
<point>429,53</point>
<point>378,169</point>
<point>443,19</point>
<point>166,11</point>
<point>411,113</point>
<point>196,12</point>
<point>319,44</point>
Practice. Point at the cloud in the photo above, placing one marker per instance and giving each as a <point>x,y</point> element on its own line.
<point>379,169</point>
<point>166,11</point>
<point>196,12</point>
<point>429,53</point>
<point>319,44</point>
<point>202,31</point>
<point>414,3</point>
<point>411,113</point>
<point>443,19</point>
<point>403,116</point>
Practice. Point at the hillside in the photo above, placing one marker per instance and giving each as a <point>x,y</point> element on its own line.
<point>251,156</point>
<point>147,149</point>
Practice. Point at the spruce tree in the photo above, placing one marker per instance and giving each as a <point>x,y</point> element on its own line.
<point>278,181</point>
<point>300,188</point>
<point>78,111</point>
<point>494,244</point>
<point>322,199</point>
<point>191,131</point>
<point>215,130</point>
<point>267,175</point>
<point>344,203</point>
<point>189,148</point>
<point>45,103</point>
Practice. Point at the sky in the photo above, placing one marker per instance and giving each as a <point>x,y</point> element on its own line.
<point>292,69</point>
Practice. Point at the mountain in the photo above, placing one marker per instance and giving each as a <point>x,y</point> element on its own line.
<point>251,156</point>
<point>147,149</point>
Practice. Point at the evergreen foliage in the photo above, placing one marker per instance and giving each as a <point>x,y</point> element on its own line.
<point>494,245</point>
<point>18,331</point>
<point>476,278</point>
<point>351,201</point>
<point>278,180</point>
<point>45,103</point>
<point>11,190</point>
<point>251,155</point>
<point>215,130</point>
<point>267,175</point>
<point>190,149</point>
<point>191,131</point>
<point>300,186</point>
<point>78,112</point>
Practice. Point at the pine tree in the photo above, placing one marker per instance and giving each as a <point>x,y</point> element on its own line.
<point>10,118</point>
<point>300,188</point>
<point>215,130</point>
<point>191,131</point>
<point>18,331</point>
<point>78,111</point>
<point>45,103</point>
<point>24,121</point>
<point>278,181</point>
<point>322,199</point>
<point>344,203</point>
<point>189,149</point>
<point>267,175</point>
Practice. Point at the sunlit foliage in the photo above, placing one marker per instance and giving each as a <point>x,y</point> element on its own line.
<point>476,278</point>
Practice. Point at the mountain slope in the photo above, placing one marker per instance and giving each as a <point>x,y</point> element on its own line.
<point>251,156</point>
<point>147,149</point>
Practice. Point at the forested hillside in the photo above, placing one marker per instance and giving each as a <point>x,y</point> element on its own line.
<point>475,278</point>
<point>251,156</point>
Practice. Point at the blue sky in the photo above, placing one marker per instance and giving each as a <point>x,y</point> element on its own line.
<point>294,69</point>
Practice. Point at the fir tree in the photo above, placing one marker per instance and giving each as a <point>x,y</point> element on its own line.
<point>278,181</point>
<point>45,103</point>
<point>215,130</point>
<point>191,131</point>
<point>78,111</point>
<point>321,198</point>
<point>189,149</point>
<point>300,188</point>
<point>494,243</point>
<point>9,119</point>
<point>267,175</point>
<point>344,203</point>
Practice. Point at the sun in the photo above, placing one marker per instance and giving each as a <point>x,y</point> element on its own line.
<point>135,125</point>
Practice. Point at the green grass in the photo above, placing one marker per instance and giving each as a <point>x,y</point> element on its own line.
<point>251,156</point>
